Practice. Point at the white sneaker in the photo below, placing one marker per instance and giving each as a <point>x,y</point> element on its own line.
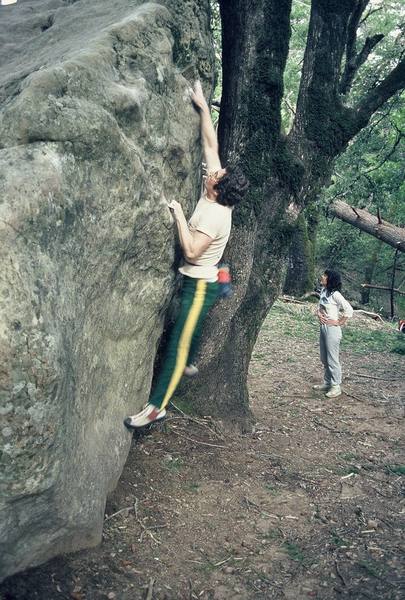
<point>190,370</point>
<point>334,391</point>
<point>149,414</point>
<point>322,387</point>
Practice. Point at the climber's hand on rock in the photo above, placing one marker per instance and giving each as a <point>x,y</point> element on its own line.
<point>176,208</point>
<point>197,96</point>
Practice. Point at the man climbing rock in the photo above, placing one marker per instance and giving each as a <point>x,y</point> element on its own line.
<point>203,240</point>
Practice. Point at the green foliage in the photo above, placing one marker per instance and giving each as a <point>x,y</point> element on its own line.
<point>294,552</point>
<point>399,346</point>
<point>364,341</point>
<point>174,465</point>
<point>337,540</point>
<point>271,489</point>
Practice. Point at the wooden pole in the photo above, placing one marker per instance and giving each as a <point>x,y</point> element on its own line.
<point>394,266</point>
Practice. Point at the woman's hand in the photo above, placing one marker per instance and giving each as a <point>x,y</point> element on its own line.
<point>324,320</point>
<point>333,322</point>
<point>176,208</point>
<point>197,96</point>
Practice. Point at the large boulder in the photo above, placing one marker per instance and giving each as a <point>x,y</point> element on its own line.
<point>95,122</point>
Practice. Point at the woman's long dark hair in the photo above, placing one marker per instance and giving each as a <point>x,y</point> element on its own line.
<point>334,282</point>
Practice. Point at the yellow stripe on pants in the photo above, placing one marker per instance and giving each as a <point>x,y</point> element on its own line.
<point>185,339</point>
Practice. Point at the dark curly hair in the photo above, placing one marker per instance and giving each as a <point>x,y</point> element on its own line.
<point>334,281</point>
<point>232,186</point>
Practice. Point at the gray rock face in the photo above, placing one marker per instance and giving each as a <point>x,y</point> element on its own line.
<point>95,122</point>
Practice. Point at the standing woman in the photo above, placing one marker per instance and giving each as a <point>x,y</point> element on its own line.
<point>333,312</point>
<point>203,240</point>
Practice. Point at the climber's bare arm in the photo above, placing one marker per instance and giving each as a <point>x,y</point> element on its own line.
<point>192,243</point>
<point>208,134</point>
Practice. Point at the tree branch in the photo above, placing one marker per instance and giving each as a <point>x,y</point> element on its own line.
<point>376,97</point>
<point>400,135</point>
<point>370,12</point>
<point>352,26</point>
<point>365,221</point>
<point>354,64</point>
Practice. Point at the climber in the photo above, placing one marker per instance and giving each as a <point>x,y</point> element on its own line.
<point>203,240</point>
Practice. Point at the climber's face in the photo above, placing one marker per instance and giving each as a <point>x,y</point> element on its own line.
<point>211,181</point>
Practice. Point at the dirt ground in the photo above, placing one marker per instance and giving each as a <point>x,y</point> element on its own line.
<point>308,506</point>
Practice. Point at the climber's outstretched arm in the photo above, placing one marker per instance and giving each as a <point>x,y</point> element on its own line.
<point>209,136</point>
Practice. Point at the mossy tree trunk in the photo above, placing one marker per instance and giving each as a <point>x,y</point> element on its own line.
<point>301,275</point>
<point>286,172</point>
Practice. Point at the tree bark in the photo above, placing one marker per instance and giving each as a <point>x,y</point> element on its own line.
<point>300,276</point>
<point>362,219</point>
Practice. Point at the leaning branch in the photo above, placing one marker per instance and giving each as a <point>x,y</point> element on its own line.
<point>351,41</point>
<point>375,226</point>
<point>353,65</point>
<point>376,97</point>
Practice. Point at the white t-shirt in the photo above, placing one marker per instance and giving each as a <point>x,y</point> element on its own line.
<point>215,220</point>
<point>334,305</point>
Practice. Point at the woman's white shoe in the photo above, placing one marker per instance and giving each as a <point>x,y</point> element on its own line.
<point>322,387</point>
<point>334,391</point>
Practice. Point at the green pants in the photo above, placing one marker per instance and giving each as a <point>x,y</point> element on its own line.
<point>197,297</point>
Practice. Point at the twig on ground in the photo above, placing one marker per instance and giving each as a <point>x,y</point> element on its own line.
<point>144,526</point>
<point>198,562</point>
<point>355,397</point>
<point>278,457</point>
<point>373,377</point>
<point>291,300</point>
<point>318,422</point>
<point>339,574</point>
<point>195,420</point>
<point>127,509</point>
<point>150,589</point>
<point>222,562</point>
<point>373,315</point>
<point>251,503</point>
<point>197,441</point>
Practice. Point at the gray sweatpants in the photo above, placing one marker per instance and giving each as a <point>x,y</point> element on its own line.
<point>329,342</point>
